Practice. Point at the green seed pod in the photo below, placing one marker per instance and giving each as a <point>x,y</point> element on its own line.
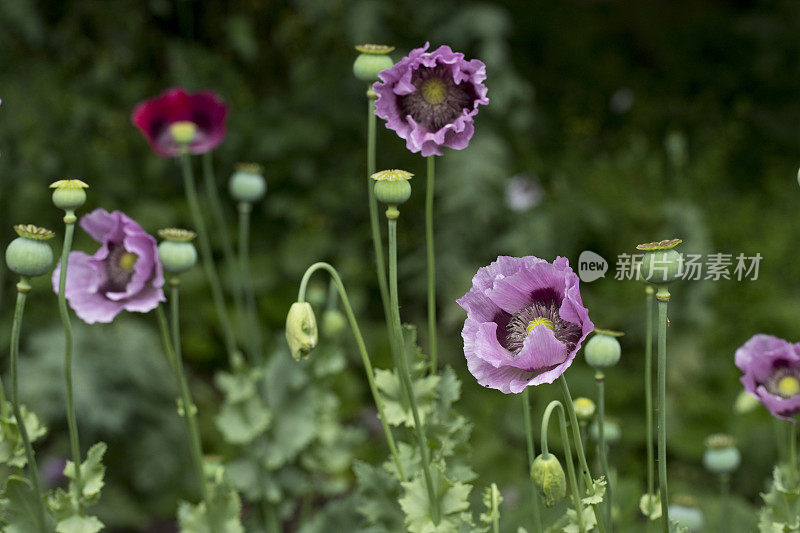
<point>745,403</point>
<point>603,349</point>
<point>392,187</point>
<point>333,323</point>
<point>28,255</point>
<point>176,251</point>
<point>301,330</point>
<point>612,431</point>
<point>548,476</point>
<point>183,131</point>
<point>721,455</point>
<point>373,59</point>
<point>685,512</point>
<point>584,409</point>
<point>661,264</point>
<point>69,195</point>
<point>247,184</point>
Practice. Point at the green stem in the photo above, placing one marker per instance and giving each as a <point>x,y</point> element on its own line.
<point>601,417</point>
<point>22,289</point>
<point>377,242</point>
<point>218,217</point>
<point>72,424</point>
<point>790,433</point>
<point>404,372</point>
<point>253,328</point>
<point>173,349</point>
<point>663,298</point>
<point>648,394</point>
<point>208,259</point>
<point>526,410</point>
<point>351,318</point>
<point>495,510</point>
<point>429,193</point>
<point>576,437</point>
<point>573,480</point>
<point>724,499</point>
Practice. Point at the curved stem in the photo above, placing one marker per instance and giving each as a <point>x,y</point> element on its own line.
<point>252,328</point>
<point>648,393</point>
<point>601,421</point>
<point>351,318</point>
<point>526,410</point>
<point>173,349</point>
<point>573,480</point>
<point>377,242</point>
<point>429,193</point>
<point>663,297</point>
<point>208,259</point>
<point>22,289</point>
<point>405,374</point>
<point>72,424</point>
<point>576,437</point>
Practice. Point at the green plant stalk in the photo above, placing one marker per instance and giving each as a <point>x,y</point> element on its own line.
<point>207,257</point>
<point>253,326</point>
<point>663,298</point>
<point>22,290</point>
<point>72,424</point>
<point>430,251</point>
<point>377,241</point>
<point>576,437</point>
<point>526,411</point>
<point>648,393</point>
<point>792,437</point>
<point>724,500</point>
<point>351,318</point>
<point>495,510</point>
<point>172,346</point>
<point>573,480</point>
<point>218,217</point>
<point>601,420</point>
<point>405,373</point>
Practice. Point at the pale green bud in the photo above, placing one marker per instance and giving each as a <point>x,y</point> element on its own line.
<point>612,431</point>
<point>745,403</point>
<point>301,330</point>
<point>176,251</point>
<point>721,455</point>
<point>333,323</point>
<point>584,409</point>
<point>247,184</point>
<point>603,349</point>
<point>373,59</point>
<point>548,477</point>
<point>28,255</point>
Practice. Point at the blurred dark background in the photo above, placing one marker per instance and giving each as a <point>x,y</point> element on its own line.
<point>611,123</point>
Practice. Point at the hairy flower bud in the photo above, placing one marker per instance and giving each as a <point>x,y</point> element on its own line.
<point>247,184</point>
<point>176,251</point>
<point>28,255</point>
<point>603,349</point>
<point>392,186</point>
<point>301,330</point>
<point>548,477</point>
<point>584,409</point>
<point>333,323</point>
<point>69,195</point>
<point>721,455</point>
<point>372,60</point>
<point>661,263</point>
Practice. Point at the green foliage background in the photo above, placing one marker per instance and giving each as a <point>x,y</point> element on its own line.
<point>723,76</point>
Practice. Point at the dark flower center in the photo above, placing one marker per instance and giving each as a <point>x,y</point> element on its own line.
<point>119,268</point>
<point>784,382</point>
<point>438,99</point>
<point>543,311</point>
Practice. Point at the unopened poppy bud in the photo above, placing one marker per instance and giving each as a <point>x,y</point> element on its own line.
<point>183,131</point>
<point>333,323</point>
<point>721,455</point>
<point>745,403</point>
<point>584,409</point>
<point>603,349</point>
<point>661,263</point>
<point>176,251</point>
<point>392,187</point>
<point>373,59</point>
<point>301,330</point>
<point>69,195</point>
<point>612,431</point>
<point>28,255</point>
<point>247,184</point>
<point>548,477</point>
<point>685,512</point>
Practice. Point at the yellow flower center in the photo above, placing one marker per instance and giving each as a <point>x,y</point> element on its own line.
<point>540,321</point>
<point>127,261</point>
<point>434,91</point>
<point>789,386</point>
<point>183,131</point>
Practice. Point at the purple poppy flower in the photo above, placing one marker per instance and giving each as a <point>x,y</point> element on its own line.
<point>124,274</point>
<point>525,322</point>
<point>771,369</point>
<point>205,110</point>
<point>431,98</point>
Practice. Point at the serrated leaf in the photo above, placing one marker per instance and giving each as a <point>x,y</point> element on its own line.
<point>20,507</point>
<point>396,408</point>
<point>781,512</point>
<point>377,495</point>
<point>650,506</point>
<point>595,493</point>
<point>12,448</point>
<point>221,513</point>
<point>243,421</point>
<point>451,497</point>
<point>491,500</point>
<point>79,524</point>
<point>92,473</point>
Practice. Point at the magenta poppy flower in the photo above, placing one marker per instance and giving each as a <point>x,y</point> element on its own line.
<point>205,110</point>
<point>124,274</point>
<point>431,98</point>
<point>525,322</point>
<point>771,369</point>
